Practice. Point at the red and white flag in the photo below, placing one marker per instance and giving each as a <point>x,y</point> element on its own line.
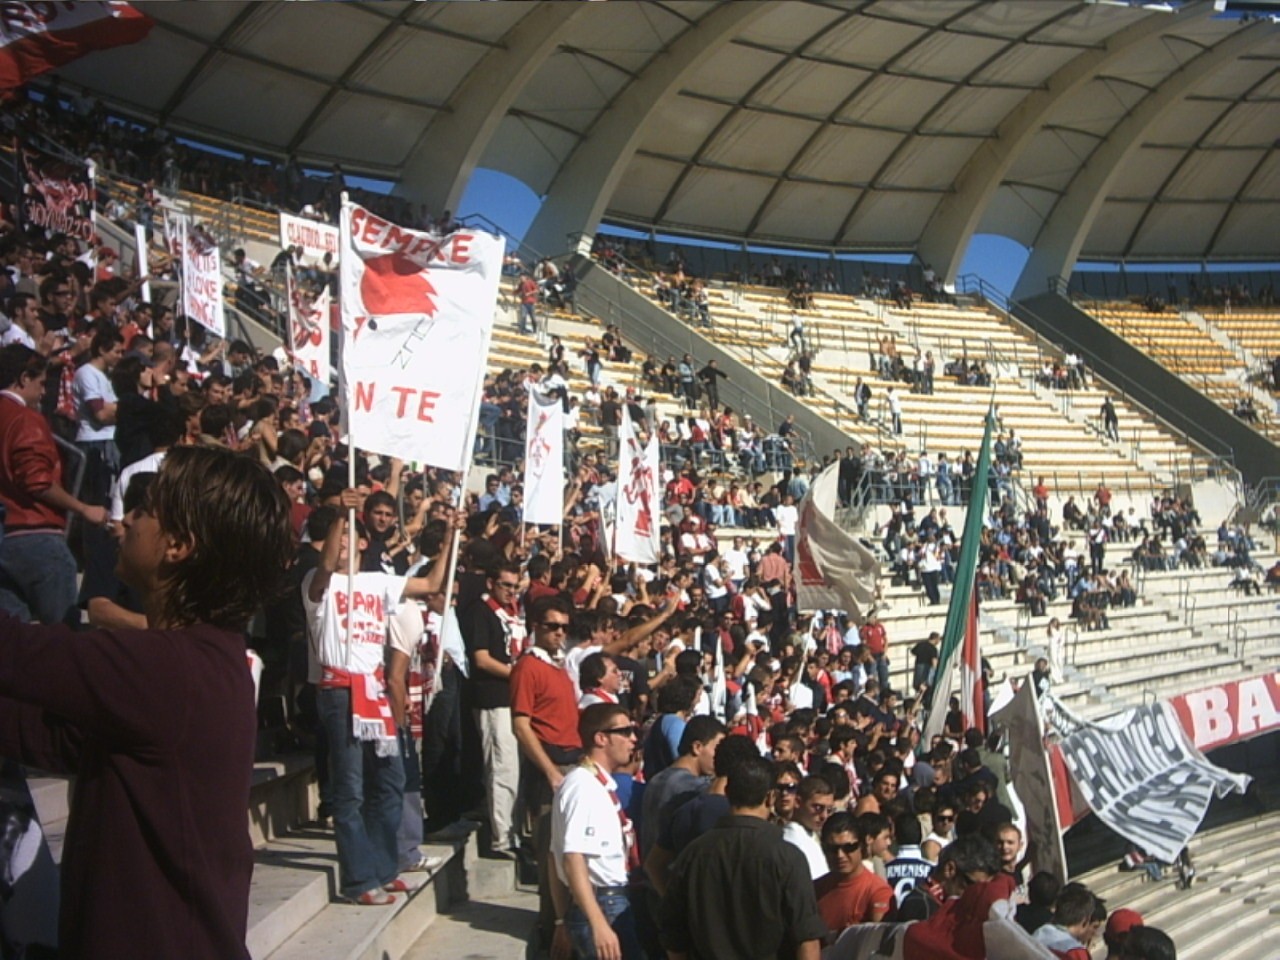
<point>833,571</point>
<point>308,328</point>
<point>972,707</point>
<point>637,534</point>
<point>417,310</point>
<point>37,37</point>
<point>544,460</point>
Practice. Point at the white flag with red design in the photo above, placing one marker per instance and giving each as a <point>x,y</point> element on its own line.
<point>308,327</point>
<point>544,460</point>
<point>201,278</point>
<point>417,309</point>
<point>36,37</point>
<point>833,571</point>
<point>638,532</point>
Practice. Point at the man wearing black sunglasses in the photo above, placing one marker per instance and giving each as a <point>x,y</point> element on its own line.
<point>850,893</point>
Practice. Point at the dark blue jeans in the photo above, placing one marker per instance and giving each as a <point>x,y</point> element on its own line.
<point>617,910</point>
<point>38,578</point>
<point>367,800</point>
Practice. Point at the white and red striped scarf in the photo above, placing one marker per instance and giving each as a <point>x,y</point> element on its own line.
<point>513,628</point>
<point>371,717</point>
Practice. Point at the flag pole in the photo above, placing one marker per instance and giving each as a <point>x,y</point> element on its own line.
<point>352,538</point>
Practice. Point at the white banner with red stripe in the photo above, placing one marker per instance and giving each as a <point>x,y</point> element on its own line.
<point>417,309</point>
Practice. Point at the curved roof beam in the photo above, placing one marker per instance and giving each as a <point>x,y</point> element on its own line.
<point>449,149</point>
<point>956,219</point>
<point>1057,247</point>
<point>585,182</point>
<point>211,52</point>
<point>1182,162</point>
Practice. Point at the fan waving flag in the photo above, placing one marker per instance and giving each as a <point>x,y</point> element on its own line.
<point>544,460</point>
<point>37,37</point>
<point>961,632</point>
<point>833,571</point>
<point>637,533</point>
<point>417,309</point>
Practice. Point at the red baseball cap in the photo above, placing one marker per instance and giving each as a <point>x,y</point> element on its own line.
<point>1122,921</point>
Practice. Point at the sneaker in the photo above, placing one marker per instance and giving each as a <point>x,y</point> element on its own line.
<point>424,864</point>
<point>398,885</point>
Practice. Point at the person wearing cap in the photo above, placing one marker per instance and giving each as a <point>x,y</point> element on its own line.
<point>1116,933</point>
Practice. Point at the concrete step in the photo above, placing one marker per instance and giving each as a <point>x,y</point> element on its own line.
<point>497,929</point>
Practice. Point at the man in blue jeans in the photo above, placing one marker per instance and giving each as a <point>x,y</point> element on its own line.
<point>347,627</point>
<point>594,844</point>
<point>37,570</point>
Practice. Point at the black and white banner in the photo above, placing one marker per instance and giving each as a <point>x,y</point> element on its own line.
<point>1142,776</point>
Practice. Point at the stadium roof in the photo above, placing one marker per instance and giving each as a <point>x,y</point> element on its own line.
<point>1080,129</point>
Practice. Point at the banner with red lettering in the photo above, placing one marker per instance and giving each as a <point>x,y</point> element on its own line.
<point>57,194</point>
<point>36,37</point>
<point>315,239</point>
<point>544,460</point>
<point>308,327</point>
<point>1230,712</point>
<point>638,537</point>
<point>416,314</point>
<point>201,278</point>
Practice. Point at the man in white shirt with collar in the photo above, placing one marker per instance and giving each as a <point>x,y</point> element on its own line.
<point>594,843</point>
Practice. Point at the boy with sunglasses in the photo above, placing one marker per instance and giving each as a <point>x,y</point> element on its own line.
<point>850,893</point>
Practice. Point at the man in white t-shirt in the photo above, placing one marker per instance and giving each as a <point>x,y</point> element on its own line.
<point>739,565</point>
<point>96,416</point>
<point>347,631</point>
<point>26,328</point>
<point>594,843</point>
<point>816,801</point>
<point>788,517</point>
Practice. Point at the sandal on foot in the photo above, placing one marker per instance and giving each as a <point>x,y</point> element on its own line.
<point>397,886</point>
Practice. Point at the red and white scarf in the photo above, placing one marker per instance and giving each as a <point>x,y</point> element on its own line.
<point>602,695</point>
<point>628,828</point>
<point>513,627</point>
<point>371,717</point>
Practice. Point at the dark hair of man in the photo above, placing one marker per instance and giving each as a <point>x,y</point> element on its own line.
<point>794,744</point>
<point>431,539</point>
<point>782,768</point>
<point>842,822</point>
<point>749,783</point>
<point>891,770</point>
<point>214,419</point>
<point>678,694</point>
<point>924,799</point>
<point>127,375</point>
<point>971,854</point>
<point>836,775</point>
<point>104,340</point>
<point>700,729</point>
<point>49,284</point>
<point>540,607</point>
<point>688,663</point>
<point>287,474</point>
<point>811,787</point>
<point>1043,889</point>
<point>973,738</point>
<point>166,428</point>
<point>18,301</point>
<point>378,499</point>
<point>237,520</point>
<point>139,486</point>
<point>907,831</point>
<point>319,521</point>
<point>874,824</point>
<point>538,566</point>
<point>1148,943</point>
<point>732,752</point>
<point>291,445</point>
<point>1073,906</point>
<point>497,569</point>
<point>592,671</point>
<point>215,380</point>
<point>598,717</point>
<point>17,360</point>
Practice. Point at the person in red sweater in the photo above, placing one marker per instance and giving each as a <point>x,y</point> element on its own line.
<point>158,724</point>
<point>37,570</point>
<point>850,893</point>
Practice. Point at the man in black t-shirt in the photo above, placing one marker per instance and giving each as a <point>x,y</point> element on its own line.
<point>926,656</point>
<point>494,633</point>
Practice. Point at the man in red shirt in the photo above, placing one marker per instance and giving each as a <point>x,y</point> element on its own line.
<point>544,717</point>
<point>37,571</point>
<point>876,640</point>
<point>528,292</point>
<point>850,893</point>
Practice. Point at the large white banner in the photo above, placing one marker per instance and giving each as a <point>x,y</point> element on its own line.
<point>638,534</point>
<point>316,239</point>
<point>1142,776</point>
<point>544,460</point>
<point>201,279</point>
<point>309,328</point>
<point>417,310</point>
<point>833,570</point>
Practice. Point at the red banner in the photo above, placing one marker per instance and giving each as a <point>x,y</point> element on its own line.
<point>1230,712</point>
<point>37,37</point>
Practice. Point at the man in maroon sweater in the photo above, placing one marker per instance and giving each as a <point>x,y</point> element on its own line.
<point>158,725</point>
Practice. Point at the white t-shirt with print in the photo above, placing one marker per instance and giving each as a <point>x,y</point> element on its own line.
<point>376,598</point>
<point>584,820</point>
